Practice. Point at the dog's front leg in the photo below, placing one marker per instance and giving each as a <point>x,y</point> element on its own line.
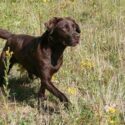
<point>50,87</point>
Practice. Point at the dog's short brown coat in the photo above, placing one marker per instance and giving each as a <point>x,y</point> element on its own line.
<point>41,56</point>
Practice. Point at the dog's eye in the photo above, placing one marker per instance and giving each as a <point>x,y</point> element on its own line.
<point>64,29</point>
<point>66,26</point>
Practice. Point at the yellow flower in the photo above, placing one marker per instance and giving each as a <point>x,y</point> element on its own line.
<point>112,110</point>
<point>72,90</point>
<point>8,53</point>
<point>54,78</point>
<point>45,1</point>
<point>111,121</point>
<point>87,64</point>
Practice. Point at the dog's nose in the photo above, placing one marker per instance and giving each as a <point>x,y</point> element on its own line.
<point>76,35</point>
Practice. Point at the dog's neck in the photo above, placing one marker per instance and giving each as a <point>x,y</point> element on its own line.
<point>57,48</point>
<point>57,53</point>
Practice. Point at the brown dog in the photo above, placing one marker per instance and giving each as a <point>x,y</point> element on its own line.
<point>41,56</point>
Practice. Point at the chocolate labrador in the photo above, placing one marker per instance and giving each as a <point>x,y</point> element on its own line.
<point>41,56</point>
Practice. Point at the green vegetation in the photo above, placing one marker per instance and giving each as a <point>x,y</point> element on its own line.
<point>93,73</point>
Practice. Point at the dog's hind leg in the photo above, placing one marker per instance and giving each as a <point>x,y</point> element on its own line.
<point>2,72</point>
<point>2,68</point>
<point>41,97</point>
<point>12,62</point>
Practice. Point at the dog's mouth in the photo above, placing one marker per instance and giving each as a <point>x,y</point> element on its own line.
<point>72,42</point>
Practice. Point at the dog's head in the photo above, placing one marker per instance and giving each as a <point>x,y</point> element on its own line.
<point>64,30</point>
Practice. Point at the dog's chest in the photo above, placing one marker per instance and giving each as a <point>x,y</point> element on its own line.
<point>56,62</point>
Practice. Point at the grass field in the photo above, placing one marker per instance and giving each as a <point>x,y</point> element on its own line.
<point>92,75</point>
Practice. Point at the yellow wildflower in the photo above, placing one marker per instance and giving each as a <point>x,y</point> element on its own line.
<point>54,78</point>
<point>45,1</point>
<point>111,121</point>
<point>72,90</point>
<point>87,64</point>
<point>8,53</point>
<point>112,110</point>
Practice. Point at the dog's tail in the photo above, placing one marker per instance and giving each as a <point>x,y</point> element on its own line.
<point>4,34</point>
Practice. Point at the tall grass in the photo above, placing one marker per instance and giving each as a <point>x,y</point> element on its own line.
<point>92,75</point>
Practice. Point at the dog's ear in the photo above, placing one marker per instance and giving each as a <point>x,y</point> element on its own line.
<point>50,25</point>
<point>77,26</point>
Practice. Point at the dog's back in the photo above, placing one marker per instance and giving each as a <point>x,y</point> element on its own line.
<point>15,41</point>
